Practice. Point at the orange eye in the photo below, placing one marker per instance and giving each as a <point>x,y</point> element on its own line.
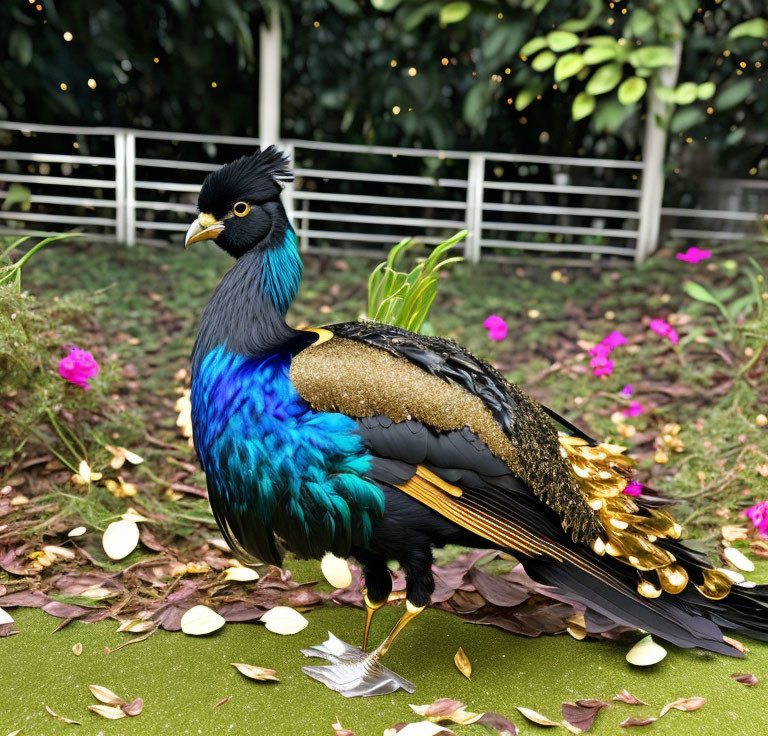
<point>241,209</point>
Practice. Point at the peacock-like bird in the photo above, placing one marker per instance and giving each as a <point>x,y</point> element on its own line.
<point>370,441</point>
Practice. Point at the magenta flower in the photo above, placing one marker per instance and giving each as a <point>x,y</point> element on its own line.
<point>660,327</point>
<point>694,255</point>
<point>758,515</point>
<point>601,365</point>
<point>614,340</point>
<point>633,488</point>
<point>496,326</point>
<point>635,410</point>
<point>627,391</point>
<point>78,367</point>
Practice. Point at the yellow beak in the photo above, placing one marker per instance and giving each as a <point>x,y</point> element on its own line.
<point>205,227</point>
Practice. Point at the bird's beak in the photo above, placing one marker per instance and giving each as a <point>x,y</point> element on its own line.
<point>205,227</point>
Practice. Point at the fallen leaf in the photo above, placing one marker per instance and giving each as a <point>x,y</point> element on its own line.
<point>241,574</point>
<point>6,623</point>
<point>201,620</point>
<point>254,672</point>
<point>542,720</point>
<point>77,649</point>
<point>686,704</point>
<point>222,701</point>
<point>133,708</point>
<point>582,713</point>
<point>745,678</point>
<point>738,559</point>
<point>137,626</point>
<point>499,723</point>
<point>626,697</point>
<point>463,663</point>
<point>336,571</point>
<point>446,709</point>
<point>62,552</point>
<point>107,711</point>
<point>646,652</point>
<point>421,728</point>
<point>339,731</point>
<point>284,620</point>
<point>132,515</point>
<point>736,644</point>
<point>61,718</point>
<point>78,531</point>
<point>120,539</point>
<point>104,695</point>
<point>15,733</point>
<point>637,722</point>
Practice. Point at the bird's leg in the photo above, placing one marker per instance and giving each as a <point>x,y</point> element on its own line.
<point>410,613</point>
<point>371,608</point>
<point>378,587</point>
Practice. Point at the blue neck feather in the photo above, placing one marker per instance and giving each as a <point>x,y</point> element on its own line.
<point>281,272</point>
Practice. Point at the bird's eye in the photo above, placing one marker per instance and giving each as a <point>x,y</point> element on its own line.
<point>241,209</point>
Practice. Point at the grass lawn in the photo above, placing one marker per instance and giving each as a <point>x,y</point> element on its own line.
<point>142,328</point>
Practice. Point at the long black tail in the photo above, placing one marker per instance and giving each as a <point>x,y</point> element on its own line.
<point>686,619</point>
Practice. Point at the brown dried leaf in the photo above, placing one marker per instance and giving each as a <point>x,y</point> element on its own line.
<point>255,673</point>
<point>222,701</point>
<point>499,723</point>
<point>626,697</point>
<point>745,678</point>
<point>107,711</point>
<point>339,731</point>
<point>104,695</point>
<point>446,709</point>
<point>541,720</point>
<point>637,722</point>
<point>133,708</point>
<point>686,704</point>
<point>463,663</point>
<point>582,713</point>
<point>61,718</point>
<point>736,643</point>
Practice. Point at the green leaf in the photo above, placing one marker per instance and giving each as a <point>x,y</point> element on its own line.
<point>665,94</point>
<point>524,98</point>
<point>543,61</point>
<point>583,105</point>
<point>631,90</point>
<point>653,57</point>
<point>568,65</point>
<point>754,28</point>
<point>385,5</point>
<point>534,45</point>
<point>685,93</point>
<point>600,41</point>
<point>454,13</point>
<point>562,40</point>
<point>733,94</point>
<point>610,116</point>
<point>701,294</point>
<point>604,79</point>
<point>705,90</point>
<point>640,22</point>
<point>477,105</point>
<point>17,194</point>
<point>600,53</point>
<point>685,119</point>
<point>20,46</point>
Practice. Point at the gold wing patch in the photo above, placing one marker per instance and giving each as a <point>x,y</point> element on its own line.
<point>603,472</point>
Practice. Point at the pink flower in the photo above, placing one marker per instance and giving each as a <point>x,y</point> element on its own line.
<point>78,367</point>
<point>496,326</point>
<point>660,327</point>
<point>635,410</point>
<point>601,366</point>
<point>758,515</point>
<point>627,391</point>
<point>633,488</point>
<point>614,340</point>
<point>694,255</point>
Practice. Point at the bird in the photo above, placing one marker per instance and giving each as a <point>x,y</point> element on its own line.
<point>371,442</point>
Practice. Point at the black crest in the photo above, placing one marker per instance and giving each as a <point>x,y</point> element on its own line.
<point>256,178</point>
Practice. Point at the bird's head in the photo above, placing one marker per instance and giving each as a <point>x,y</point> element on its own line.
<point>240,204</point>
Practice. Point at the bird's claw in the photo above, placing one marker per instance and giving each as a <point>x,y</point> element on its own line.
<point>353,672</point>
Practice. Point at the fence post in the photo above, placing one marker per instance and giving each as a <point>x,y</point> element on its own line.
<point>654,148</point>
<point>120,223</point>
<point>474,215</point>
<point>288,200</point>
<point>270,61</point>
<point>130,188</point>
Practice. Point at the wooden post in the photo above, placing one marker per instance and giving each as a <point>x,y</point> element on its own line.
<point>654,150</point>
<point>270,61</point>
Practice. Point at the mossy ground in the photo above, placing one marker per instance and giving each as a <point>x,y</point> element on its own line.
<point>181,678</point>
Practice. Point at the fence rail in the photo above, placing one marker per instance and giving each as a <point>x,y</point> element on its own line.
<point>129,186</point>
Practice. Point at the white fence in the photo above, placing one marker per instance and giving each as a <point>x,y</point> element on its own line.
<point>130,186</point>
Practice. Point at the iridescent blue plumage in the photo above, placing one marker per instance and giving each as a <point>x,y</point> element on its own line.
<point>273,463</point>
